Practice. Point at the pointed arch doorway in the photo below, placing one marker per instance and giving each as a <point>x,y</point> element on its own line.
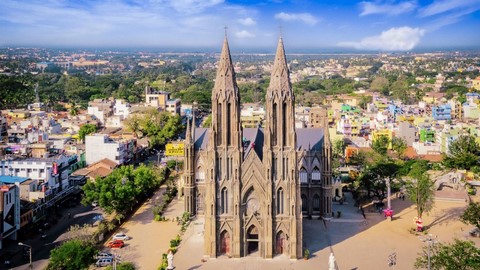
<point>280,243</point>
<point>224,243</point>
<point>252,241</point>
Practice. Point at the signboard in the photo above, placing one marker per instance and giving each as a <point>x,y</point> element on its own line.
<point>174,149</point>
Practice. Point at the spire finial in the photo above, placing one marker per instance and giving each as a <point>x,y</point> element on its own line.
<point>226,28</point>
<point>280,29</point>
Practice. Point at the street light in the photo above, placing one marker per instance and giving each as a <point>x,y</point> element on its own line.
<point>29,251</point>
<point>430,241</point>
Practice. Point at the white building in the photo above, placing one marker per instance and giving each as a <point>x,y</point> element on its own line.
<point>100,146</point>
<point>121,108</point>
<point>51,173</point>
<point>9,208</point>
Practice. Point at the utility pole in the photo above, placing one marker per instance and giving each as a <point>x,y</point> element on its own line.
<point>430,241</point>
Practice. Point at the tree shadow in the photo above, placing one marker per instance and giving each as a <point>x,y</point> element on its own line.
<point>446,216</point>
<point>319,234</point>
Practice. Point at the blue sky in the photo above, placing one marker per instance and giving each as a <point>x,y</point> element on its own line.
<point>385,25</point>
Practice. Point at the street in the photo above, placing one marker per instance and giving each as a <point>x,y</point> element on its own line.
<point>41,247</point>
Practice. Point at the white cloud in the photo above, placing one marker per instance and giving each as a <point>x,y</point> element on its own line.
<point>303,17</point>
<point>247,21</point>
<point>193,6</point>
<point>388,8</point>
<point>244,34</point>
<point>394,39</point>
<point>442,6</point>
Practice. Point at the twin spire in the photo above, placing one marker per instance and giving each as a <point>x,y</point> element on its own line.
<point>279,81</point>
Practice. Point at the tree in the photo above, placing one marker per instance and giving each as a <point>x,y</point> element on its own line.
<point>86,130</point>
<point>472,214</point>
<point>421,191</point>
<point>207,122</point>
<point>123,266</point>
<point>374,178</point>
<point>463,153</point>
<point>380,145</point>
<point>364,101</point>
<point>399,146</point>
<point>122,189</point>
<point>72,255</point>
<point>458,255</point>
<point>379,84</point>
<point>400,89</point>
<point>132,123</point>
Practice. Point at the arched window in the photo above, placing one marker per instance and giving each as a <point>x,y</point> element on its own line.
<point>316,176</point>
<point>274,122</point>
<point>199,175</point>
<point>219,124</point>
<point>280,203</point>
<point>316,202</point>
<point>304,203</point>
<point>303,175</point>
<point>224,201</point>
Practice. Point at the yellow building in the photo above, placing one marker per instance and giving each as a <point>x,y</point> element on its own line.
<point>476,83</point>
<point>19,114</point>
<point>251,121</point>
<point>376,134</point>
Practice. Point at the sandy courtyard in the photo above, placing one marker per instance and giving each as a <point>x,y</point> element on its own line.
<point>355,243</point>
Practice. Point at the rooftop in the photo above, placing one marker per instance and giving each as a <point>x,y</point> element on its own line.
<point>8,179</point>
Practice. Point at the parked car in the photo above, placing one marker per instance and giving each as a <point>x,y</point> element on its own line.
<point>475,232</point>
<point>104,255</point>
<point>115,244</point>
<point>95,204</point>
<point>121,236</point>
<point>104,262</point>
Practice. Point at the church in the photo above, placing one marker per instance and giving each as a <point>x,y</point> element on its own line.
<point>253,186</point>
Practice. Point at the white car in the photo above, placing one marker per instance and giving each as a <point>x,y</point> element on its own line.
<point>121,236</point>
<point>104,262</point>
<point>104,255</point>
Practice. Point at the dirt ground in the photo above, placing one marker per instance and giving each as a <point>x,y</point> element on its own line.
<point>356,243</point>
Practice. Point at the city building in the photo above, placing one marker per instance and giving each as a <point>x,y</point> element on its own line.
<point>101,146</point>
<point>476,83</point>
<point>9,208</point>
<point>442,112</point>
<point>253,186</point>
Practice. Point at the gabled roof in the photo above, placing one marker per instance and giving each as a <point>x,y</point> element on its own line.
<point>201,139</point>
<point>255,138</point>
<point>309,138</point>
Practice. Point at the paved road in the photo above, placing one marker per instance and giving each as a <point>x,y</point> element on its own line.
<point>42,247</point>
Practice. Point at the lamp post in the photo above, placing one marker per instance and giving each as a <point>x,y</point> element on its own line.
<point>29,251</point>
<point>430,241</point>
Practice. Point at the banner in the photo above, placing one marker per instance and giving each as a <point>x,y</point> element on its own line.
<point>174,149</point>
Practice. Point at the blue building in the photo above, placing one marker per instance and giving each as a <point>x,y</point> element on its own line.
<point>442,112</point>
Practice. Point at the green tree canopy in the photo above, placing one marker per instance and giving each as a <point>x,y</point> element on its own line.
<point>458,255</point>
<point>472,214</point>
<point>399,146</point>
<point>373,179</point>
<point>72,255</point>
<point>86,130</point>
<point>380,145</point>
<point>122,189</point>
<point>463,153</point>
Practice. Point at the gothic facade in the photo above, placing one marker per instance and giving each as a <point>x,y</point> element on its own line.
<point>253,186</point>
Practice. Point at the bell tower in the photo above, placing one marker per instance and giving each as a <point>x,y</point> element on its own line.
<point>225,155</point>
<point>281,158</point>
